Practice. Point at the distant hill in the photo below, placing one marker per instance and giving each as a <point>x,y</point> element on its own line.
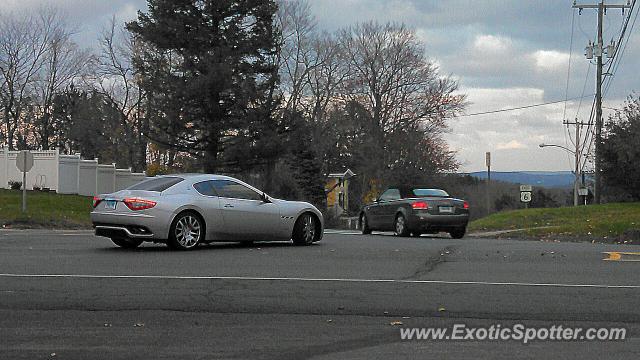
<point>549,179</point>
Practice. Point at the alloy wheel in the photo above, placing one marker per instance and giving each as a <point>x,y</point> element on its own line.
<point>309,229</point>
<point>400,225</point>
<point>188,231</point>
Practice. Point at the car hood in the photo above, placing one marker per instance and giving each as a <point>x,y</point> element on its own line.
<point>293,207</point>
<point>296,204</point>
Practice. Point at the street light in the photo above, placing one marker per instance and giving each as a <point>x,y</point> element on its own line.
<point>558,146</point>
<point>576,172</point>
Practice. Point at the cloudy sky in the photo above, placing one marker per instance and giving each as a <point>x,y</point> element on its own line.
<point>504,54</point>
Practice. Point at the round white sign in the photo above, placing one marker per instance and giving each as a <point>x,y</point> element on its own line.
<point>24,161</point>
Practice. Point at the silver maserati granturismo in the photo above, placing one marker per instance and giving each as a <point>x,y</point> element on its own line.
<point>188,209</point>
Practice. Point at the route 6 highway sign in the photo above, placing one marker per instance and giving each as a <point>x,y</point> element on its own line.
<point>525,196</point>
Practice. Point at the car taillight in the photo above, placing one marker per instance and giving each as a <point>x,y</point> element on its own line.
<point>420,205</point>
<point>466,205</point>
<point>139,204</point>
<point>96,201</point>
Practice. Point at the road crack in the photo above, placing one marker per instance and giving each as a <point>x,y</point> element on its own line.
<point>431,263</point>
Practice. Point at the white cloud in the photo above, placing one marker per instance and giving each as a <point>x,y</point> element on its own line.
<point>512,136</point>
<point>513,144</point>
<point>492,44</point>
<point>551,60</point>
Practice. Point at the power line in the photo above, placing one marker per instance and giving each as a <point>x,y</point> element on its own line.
<point>589,136</point>
<point>523,107</point>
<point>617,59</point>
<point>597,49</point>
<point>566,89</point>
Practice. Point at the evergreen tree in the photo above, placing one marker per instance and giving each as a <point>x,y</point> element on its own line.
<point>620,152</point>
<point>208,72</point>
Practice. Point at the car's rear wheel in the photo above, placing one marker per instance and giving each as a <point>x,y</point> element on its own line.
<point>458,233</point>
<point>400,226</point>
<point>126,243</point>
<point>364,225</point>
<point>305,229</point>
<point>186,232</point>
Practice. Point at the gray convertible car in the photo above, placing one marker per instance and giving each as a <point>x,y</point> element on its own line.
<point>188,209</point>
<point>416,210</point>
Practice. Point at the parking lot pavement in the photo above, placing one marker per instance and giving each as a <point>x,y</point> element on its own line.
<point>78,296</point>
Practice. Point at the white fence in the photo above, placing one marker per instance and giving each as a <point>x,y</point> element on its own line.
<point>67,174</point>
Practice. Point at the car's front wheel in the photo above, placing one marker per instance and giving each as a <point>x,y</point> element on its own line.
<point>458,233</point>
<point>364,225</point>
<point>400,226</point>
<point>126,243</point>
<point>305,230</point>
<point>186,232</point>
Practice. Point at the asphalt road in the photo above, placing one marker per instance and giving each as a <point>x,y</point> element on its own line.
<point>70,295</point>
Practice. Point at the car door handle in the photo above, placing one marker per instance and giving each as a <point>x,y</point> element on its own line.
<point>228,205</point>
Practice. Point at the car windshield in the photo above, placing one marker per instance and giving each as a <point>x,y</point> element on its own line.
<point>156,184</point>
<point>429,192</point>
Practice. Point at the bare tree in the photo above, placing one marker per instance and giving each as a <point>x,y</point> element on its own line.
<point>117,80</point>
<point>25,41</point>
<point>407,99</point>
<point>326,77</point>
<point>297,55</point>
<point>64,64</point>
<point>393,77</point>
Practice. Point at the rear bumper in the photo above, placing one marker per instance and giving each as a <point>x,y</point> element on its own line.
<point>429,222</point>
<point>128,231</point>
<point>138,226</point>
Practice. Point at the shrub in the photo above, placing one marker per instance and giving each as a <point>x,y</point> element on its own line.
<point>154,169</point>
<point>15,185</point>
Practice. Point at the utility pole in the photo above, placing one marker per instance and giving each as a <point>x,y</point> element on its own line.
<point>597,188</point>
<point>577,158</point>
<point>597,50</point>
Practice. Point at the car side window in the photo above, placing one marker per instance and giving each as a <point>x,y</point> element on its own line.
<point>390,194</point>
<point>206,188</point>
<point>232,189</point>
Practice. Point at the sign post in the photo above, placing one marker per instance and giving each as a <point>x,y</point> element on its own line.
<point>488,192</point>
<point>584,192</point>
<point>525,194</point>
<point>24,163</point>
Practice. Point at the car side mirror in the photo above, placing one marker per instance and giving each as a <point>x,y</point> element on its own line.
<point>265,198</point>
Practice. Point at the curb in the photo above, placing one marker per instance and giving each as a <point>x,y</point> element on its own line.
<point>501,232</point>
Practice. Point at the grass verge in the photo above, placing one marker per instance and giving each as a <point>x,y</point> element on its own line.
<point>44,210</point>
<point>615,221</point>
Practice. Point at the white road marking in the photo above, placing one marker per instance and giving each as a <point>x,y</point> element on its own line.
<point>8,232</point>
<point>252,278</point>
<point>342,232</point>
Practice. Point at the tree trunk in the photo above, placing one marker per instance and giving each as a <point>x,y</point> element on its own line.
<point>210,163</point>
<point>141,163</point>
<point>44,142</point>
<point>7,121</point>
